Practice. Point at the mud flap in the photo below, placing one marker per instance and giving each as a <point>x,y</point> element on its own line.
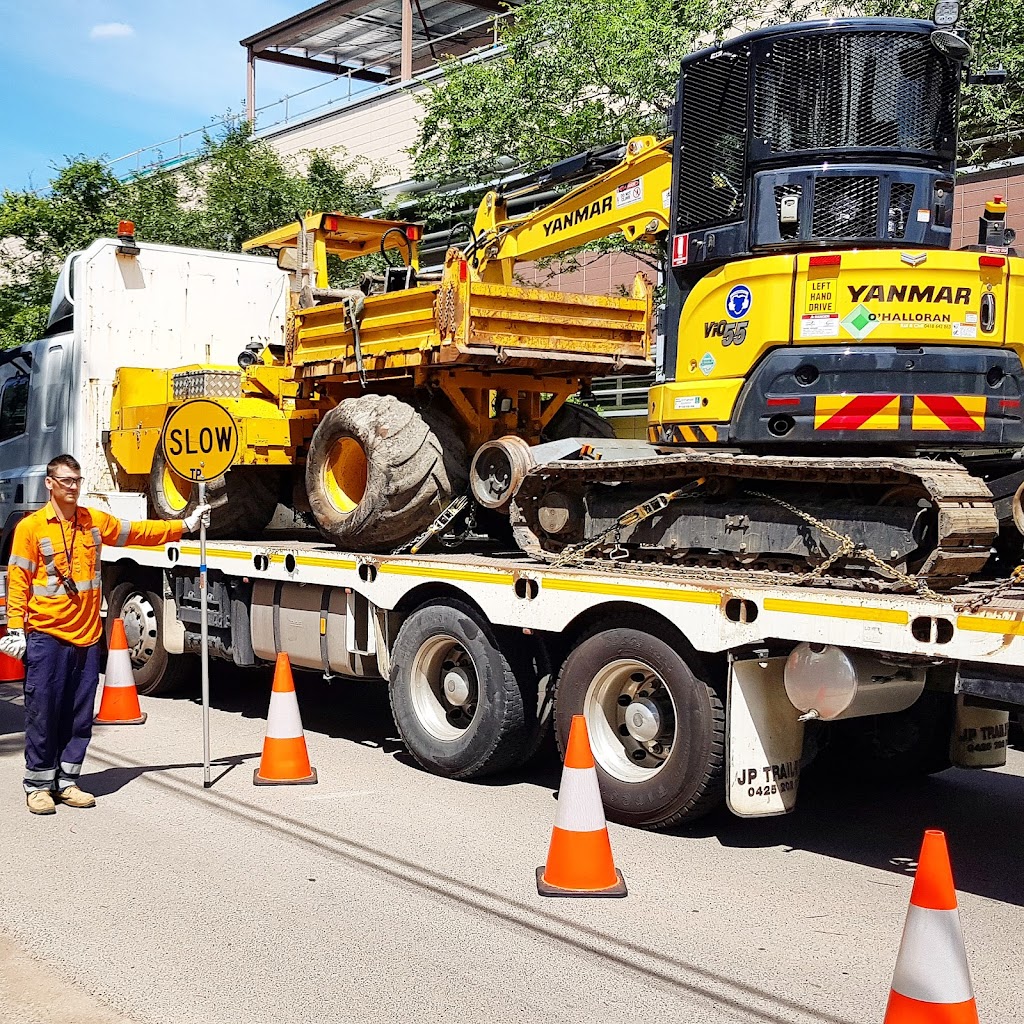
<point>979,736</point>
<point>764,740</point>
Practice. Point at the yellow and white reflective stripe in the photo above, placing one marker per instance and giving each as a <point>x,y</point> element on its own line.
<point>97,566</point>
<point>439,573</point>
<point>579,801</point>
<point>631,590</point>
<point>122,535</point>
<point>24,563</point>
<point>50,561</point>
<point>49,590</point>
<point>989,624</point>
<point>283,721</point>
<point>839,611</point>
<point>932,966</point>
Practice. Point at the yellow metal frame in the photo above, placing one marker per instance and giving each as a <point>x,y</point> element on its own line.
<point>341,235</point>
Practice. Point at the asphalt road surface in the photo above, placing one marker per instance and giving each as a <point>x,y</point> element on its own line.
<point>386,894</point>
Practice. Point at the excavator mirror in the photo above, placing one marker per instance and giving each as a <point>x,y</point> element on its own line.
<point>288,258</point>
<point>950,44</point>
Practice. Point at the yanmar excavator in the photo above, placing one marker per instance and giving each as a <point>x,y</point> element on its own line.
<point>842,392</point>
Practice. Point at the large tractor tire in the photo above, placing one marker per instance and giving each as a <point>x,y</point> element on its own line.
<point>243,499</point>
<point>656,722</point>
<point>575,420</point>
<point>378,472</point>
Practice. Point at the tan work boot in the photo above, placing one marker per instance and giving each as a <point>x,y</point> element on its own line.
<point>40,801</point>
<point>75,797</point>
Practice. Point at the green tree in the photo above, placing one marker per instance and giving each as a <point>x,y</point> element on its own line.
<point>576,74</point>
<point>991,117</point>
<point>237,187</point>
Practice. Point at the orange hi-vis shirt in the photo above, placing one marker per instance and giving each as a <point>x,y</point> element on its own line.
<point>37,600</point>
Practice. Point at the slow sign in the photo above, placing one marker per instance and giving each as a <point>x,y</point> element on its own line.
<point>200,440</point>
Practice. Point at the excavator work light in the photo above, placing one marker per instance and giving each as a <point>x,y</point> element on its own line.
<point>946,13</point>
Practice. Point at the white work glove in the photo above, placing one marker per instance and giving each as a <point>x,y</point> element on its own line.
<point>14,643</point>
<point>191,523</point>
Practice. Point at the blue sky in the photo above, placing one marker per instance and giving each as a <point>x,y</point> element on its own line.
<point>106,77</point>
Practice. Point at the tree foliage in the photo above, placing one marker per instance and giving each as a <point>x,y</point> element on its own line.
<point>237,188</point>
<point>576,74</point>
<point>991,117</point>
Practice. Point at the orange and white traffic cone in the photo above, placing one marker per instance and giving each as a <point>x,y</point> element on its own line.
<point>119,704</point>
<point>580,855</point>
<point>12,670</point>
<point>285,760</point>
<point>932,983</point>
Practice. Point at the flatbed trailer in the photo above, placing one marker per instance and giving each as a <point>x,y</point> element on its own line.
<point>695,683</point>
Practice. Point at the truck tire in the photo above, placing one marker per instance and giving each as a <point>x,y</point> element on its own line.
<point>243,499</point>
<point>455,697</point>
<point>155,670</point>
<point>661,764</point>
<point>378,472</point>
<point>575,420</point>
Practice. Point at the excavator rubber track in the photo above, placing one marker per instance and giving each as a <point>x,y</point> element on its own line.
<point>932,522</point>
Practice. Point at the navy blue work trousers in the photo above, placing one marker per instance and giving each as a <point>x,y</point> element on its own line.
<point>60,690</point>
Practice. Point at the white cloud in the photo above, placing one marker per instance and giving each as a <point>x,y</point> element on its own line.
<point>111,30</point>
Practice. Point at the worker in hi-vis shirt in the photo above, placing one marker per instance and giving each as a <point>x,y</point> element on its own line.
<point>53,620</point>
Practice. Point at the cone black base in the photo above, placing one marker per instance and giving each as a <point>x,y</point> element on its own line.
<point>309,781</point>
<point>129,721</point>
<point>545,889</point>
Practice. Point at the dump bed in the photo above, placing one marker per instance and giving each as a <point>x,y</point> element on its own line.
<point>459,322</point>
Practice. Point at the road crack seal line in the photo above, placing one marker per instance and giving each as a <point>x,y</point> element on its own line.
<point>712,986</point>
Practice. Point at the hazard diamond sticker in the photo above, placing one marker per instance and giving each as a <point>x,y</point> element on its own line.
<point>859,322</point>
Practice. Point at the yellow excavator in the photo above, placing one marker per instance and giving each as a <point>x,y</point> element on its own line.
<point>841,392</point>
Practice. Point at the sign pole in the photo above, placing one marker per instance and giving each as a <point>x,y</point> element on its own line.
<point>204,637</point>
<point>199,443</point>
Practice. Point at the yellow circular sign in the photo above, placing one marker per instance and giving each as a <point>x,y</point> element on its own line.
<point>200,440</point>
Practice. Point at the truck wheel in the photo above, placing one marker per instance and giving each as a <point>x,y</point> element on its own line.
<point>154,669</point>
<point>244,499</point>
<point>575,420</point>
<point>378,472</point>
<point>455,698</point>
<point>657,729</point>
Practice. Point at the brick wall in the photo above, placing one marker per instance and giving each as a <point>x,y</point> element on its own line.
<point>973,191</point>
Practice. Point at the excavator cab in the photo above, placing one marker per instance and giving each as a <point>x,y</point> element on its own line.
<point>813,299</point>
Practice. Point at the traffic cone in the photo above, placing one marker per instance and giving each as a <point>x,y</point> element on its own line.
<point>580,855</point>
<point>119,704</point>
<point>932,983</point>
<point>285,760</point>
<point>12,670</point>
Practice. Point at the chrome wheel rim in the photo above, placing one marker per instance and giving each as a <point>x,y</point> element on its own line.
<point>140,628</point>
<point>444,687</point>
<point>631,718</point>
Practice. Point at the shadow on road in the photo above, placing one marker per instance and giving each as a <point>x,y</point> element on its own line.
<point>879,826</point>
<point>110,780</point>
<point>982,814</point>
